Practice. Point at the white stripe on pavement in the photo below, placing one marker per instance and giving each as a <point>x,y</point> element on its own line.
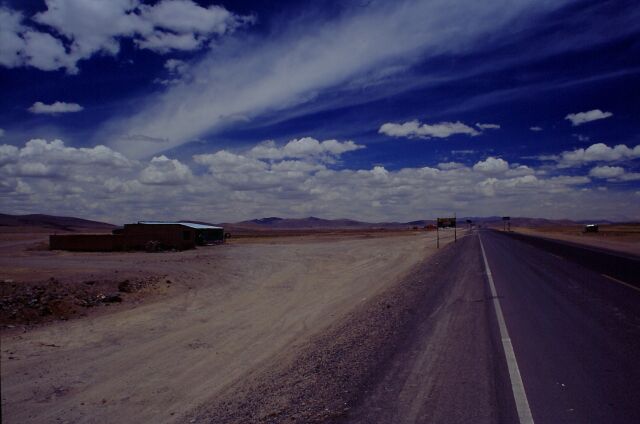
<point>522,404</point>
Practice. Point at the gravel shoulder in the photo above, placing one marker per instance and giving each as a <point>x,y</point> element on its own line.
<point>415,352</point>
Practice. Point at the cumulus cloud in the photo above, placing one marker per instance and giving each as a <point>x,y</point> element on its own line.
<point>584,117</point>
<point>614,173</point>
<point>306,147</point>
<point>492,165</point>
<point>306,58</point>
<point>164,171</point>
<point>414,129</point>
<point>487,126</point>
<point>606,171</point>
<point>519,171</point>
<point>41,158</point>
<point>55,108</point>
<point>50,176</point>
<point>450,165</point>
<point>55,152</point>
<point>88,27</point>
<point>535,129</point>
<point>598,152</point>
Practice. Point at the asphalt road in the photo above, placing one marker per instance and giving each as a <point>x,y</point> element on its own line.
<point>573,336</point>
<point>575,333</point>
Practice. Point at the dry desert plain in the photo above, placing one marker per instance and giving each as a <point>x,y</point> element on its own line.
<point>616,237</point>
<point>201,325</point>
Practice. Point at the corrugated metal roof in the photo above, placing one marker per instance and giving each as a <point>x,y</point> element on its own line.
<point>186,224</point>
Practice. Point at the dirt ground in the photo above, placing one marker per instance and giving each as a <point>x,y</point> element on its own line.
<point>617,237</point>
<point>229,311</point>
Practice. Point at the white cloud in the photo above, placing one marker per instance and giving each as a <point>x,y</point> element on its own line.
<point>487,126</point>
<point>519,171</point>
<point>445,166</point>
<point>175,66</point>
<point>40,158</point>
<point>85,181</point>
<point>584,117</point>
<point>55,108</point>
<point>8,154</point>
<point>164,171</point>
<point>227,161</point>
<point>630,176</point>
<point>185,16</point>
<point>306,147</point>
<point>614,173</point>
<point>303,59</point>
<point>89,27</point>
<point>414,129</point>
<point>1,132</point>
<point>55,152</point>
<point>164,42</point>
<point>492,165</point>
<point>598,152</point>
<point>11,44</point>
<point>581,137</point>
<point>535,129</point>
<point>606,171</point>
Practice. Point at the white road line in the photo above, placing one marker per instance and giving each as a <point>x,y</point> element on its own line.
<point>522,404</point>
<point>620,282</point>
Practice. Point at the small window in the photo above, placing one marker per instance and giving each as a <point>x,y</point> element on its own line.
<point>186,235</point>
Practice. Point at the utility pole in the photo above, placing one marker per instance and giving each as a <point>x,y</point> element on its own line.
<point>455,229</point>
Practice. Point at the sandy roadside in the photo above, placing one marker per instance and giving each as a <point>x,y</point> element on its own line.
<point>629,244</point>
<point>234,308</point>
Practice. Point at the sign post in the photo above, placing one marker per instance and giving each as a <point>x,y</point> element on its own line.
<point>506,220</point>
<point>445,223</point>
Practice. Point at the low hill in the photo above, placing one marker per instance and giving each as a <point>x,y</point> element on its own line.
<point>62,223</point>
<point>314,223</point>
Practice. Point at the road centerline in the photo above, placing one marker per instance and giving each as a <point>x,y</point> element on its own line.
<point>517,386</point>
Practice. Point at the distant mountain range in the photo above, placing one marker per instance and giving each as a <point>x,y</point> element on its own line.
<point>314,223</point>
<point>277,223</point>
<point>274,223</point>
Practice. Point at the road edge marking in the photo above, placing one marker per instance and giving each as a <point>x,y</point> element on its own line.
<point>620,282</point>
<point>519,394</point>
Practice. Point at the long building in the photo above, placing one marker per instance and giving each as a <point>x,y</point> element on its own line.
<point>144,235</point>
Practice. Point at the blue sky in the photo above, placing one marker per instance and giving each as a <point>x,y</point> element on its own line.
<point>123,110</point>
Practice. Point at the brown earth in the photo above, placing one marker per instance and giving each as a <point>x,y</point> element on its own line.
<point>617,237</point>
<point>231,311</point>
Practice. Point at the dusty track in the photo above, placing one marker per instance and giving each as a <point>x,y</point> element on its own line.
<point>233,310</point>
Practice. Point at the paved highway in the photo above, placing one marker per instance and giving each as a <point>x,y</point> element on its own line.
<point>517,334</point>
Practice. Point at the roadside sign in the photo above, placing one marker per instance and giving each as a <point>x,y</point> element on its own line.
<point>447,222</point>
